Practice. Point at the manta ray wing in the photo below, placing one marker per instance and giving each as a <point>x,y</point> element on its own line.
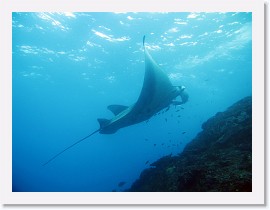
<point>157,93</point>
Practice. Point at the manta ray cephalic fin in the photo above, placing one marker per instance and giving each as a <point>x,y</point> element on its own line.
<point>116,109</point>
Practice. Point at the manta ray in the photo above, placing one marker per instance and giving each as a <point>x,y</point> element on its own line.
<point>157,93</point>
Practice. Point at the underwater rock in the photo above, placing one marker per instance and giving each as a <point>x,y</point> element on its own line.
<point>219,159</point>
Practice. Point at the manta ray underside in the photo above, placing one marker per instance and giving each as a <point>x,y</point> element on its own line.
<point>157,93</point>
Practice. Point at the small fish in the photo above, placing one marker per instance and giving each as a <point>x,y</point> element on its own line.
<point>177,110</point>
<point>162,144</point>
<point>155,145</point>
<point>182,107</point>
<point>184,132</point>
<point>145,139</point>
<point>146,162</point>
<point>121,184</point>
<point>166,119</point>
<point>179,116</point>
<point>167,109</point>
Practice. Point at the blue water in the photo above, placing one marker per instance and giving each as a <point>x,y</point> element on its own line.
<point>68,67</point>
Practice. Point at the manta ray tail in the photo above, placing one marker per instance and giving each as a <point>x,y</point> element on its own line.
<point>77,142</point>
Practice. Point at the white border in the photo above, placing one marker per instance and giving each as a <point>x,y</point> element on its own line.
<point>254,6</point>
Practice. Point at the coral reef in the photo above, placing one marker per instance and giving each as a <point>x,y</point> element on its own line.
<point>219,159</point>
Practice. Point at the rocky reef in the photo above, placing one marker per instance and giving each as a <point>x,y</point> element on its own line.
<point>219,159</point>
